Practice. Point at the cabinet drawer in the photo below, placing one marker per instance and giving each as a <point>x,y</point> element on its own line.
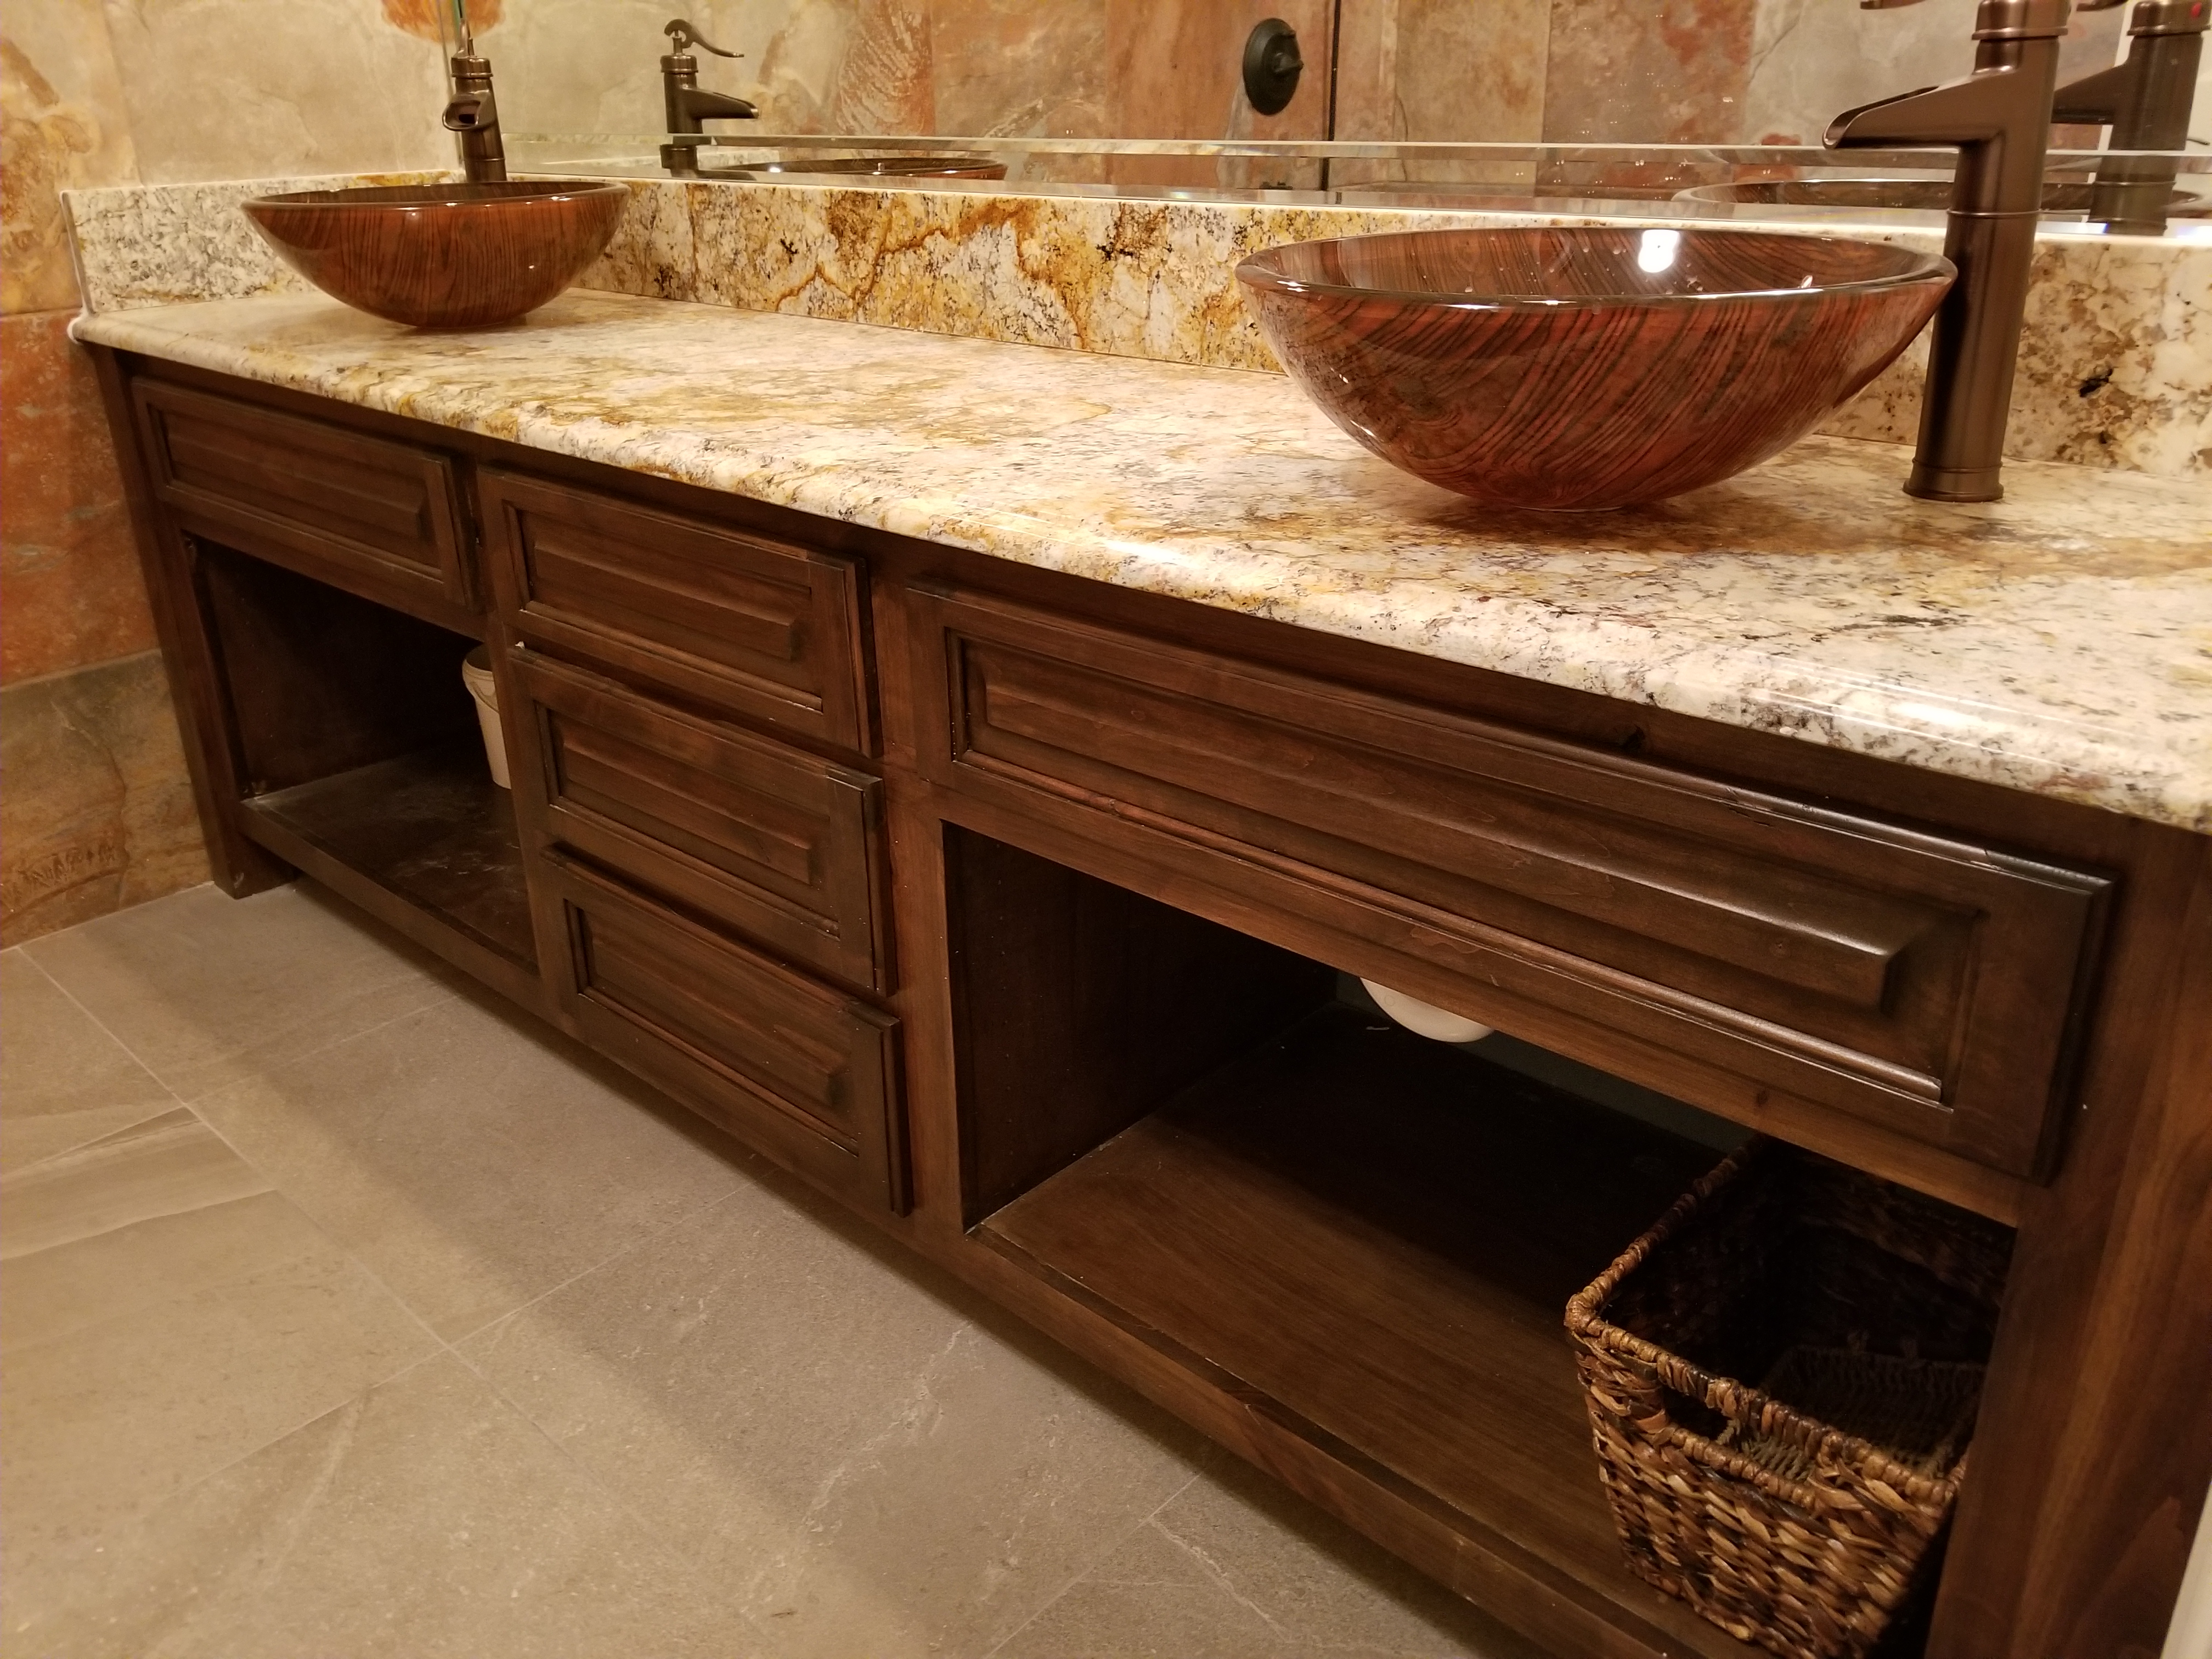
<point>382,519</point>
<point>736,622</point>
<point>1925,984</point>
<point>779,845</point>
<point>804,1073</point>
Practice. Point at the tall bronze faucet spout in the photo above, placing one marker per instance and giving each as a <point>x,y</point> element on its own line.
<point>472,113</point>
<point>1999,120</point>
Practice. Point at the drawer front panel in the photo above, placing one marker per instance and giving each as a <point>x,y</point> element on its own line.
<point>779,845</point>
<point>380,518</point>
<point>739,623</point>
<point>1926,984</point>
<point>805,1072</point>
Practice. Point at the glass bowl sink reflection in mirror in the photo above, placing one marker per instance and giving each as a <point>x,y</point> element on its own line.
<point>1586,368</point>
<point>1927,195</point>
<point>442,256</point>
<point>871,167</point>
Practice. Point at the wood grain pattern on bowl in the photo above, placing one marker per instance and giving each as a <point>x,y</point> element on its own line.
<point>442,256</point>
<point>1586,367</point>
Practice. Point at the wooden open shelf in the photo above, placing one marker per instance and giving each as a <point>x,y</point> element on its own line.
<point>1381,1234</point>
<point>425,841</point>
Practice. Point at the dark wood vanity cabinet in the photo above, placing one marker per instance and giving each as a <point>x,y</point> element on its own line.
<point>1011,910</point>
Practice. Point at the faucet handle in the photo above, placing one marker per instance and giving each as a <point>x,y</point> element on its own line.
<point>686,35</point>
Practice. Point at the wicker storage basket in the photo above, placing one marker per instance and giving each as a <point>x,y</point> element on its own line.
<point>1792,1513</point>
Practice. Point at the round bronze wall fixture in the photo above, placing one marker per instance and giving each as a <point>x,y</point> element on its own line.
<point>1271,65</point>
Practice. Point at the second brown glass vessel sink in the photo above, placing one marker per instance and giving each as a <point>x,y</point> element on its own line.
<point>446,255</point>
<point>1584,367</point>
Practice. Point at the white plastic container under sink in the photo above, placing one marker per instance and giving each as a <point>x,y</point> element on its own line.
<point>476,674</point>
<point>1425,1019</point>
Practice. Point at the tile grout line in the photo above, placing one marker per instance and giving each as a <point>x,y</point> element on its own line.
<point>102,1027</point>
<point>294,1059</point>
<point>650,1528</point>
<point>450,993</point>
<point>441,1349</point>
<point>277,1438</point>
<point>1105,1551</point>
<point>639,1242</point>
<point>185,1106</point>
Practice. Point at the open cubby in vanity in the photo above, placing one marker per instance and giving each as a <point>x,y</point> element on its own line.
<point>1016,912</point>
<point>1224,1148</point>
<point>360,751</point>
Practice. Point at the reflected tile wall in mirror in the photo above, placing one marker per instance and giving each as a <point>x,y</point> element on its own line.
<point>1029,68</point>
<point>1564,70</point>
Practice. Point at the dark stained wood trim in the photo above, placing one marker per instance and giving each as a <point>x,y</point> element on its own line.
<point>240,865</point>
<point>2095,1446</point>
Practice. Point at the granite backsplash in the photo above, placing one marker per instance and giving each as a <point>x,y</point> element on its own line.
<point>2115,367</point>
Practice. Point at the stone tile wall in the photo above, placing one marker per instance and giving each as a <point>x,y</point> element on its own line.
<point>95,809</point>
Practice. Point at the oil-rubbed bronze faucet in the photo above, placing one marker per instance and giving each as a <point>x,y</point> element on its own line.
<point>2145,101</point>
<point>688,108</point>
<point>1999,118</point>
<point>473,114</point>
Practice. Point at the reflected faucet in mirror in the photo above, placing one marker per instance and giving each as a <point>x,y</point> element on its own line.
<point>1999,120</point>
<point>688,106</point>
<point>2145,99</point>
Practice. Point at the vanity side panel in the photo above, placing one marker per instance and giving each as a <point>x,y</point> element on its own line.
<point>241,866</point>
<point>2093,1448</point>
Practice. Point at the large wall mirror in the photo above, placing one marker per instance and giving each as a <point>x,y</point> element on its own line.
<point>1541,73</point>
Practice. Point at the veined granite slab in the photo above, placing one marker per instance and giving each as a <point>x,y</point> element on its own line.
<point>2115,365</point>
<point>158,245</point>
<point>2059,642</point>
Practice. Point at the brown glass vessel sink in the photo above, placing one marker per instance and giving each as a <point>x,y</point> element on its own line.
<point>442,256</point>
<point>1920,194</point>
<point>1586,368</point>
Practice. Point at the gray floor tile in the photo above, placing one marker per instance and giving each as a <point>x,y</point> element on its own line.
<point>168,1313</point>
<point>64,1081</point>
<point>870,1469</point>
<point>1236,1567</point>
<point>420,1520</point>
<point>712,1414</point>
<point>470,1157</point>
<point>206,990</point>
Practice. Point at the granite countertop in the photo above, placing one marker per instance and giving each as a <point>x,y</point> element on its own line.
<point>2059,642</point>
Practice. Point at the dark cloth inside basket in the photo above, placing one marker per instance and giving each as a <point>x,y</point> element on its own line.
<point>1918,1410</point>
<point>1814,1255</point>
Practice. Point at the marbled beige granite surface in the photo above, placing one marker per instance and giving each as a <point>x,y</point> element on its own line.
<point>2115,365</point>
<point>2058,641</point>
